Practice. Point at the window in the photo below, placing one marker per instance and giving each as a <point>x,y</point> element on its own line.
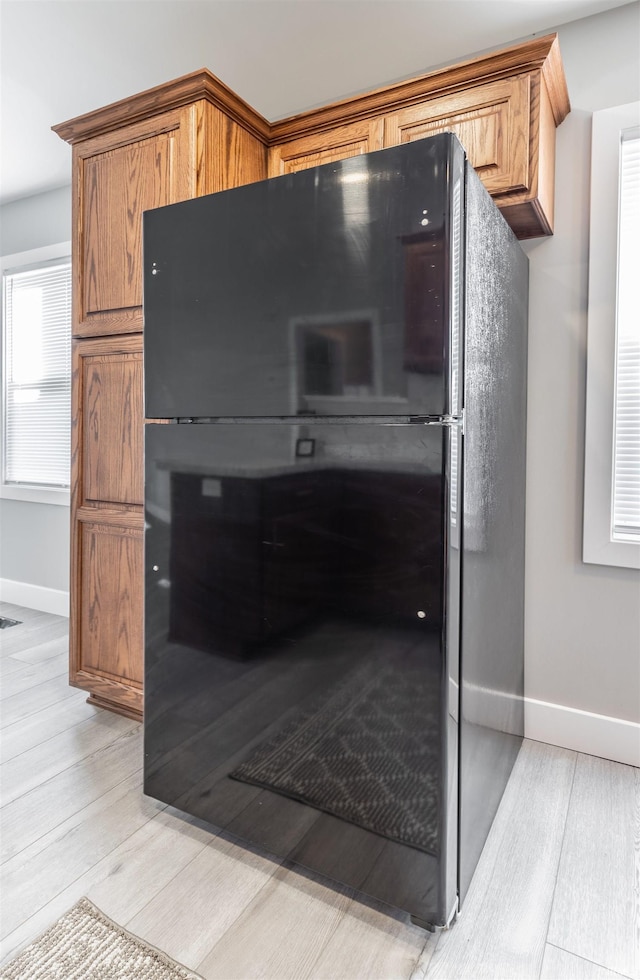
<point>612,447</point>
<point>36,318</point>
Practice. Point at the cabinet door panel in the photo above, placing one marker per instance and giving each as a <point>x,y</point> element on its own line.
<point>119,176</point>
<point>111,607</point>
<point>120,185</point>
<point>491,121</point>
<point>325,147</point>
<point>111,411</point>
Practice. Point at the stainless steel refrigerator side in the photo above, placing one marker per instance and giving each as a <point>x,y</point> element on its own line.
<point>454,475</point>
<point>492,663</point>
<point>451,697</point>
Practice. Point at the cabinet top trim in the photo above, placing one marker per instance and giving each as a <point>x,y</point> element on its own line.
<point>201,84</point>
<point>540,54</point>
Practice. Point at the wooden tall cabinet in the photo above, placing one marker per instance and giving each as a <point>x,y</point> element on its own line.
<point>178,141</point>
<point>195,136</point>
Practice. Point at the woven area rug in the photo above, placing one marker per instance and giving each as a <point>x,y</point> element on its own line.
<point>367,751</point>
<point>85,945</point>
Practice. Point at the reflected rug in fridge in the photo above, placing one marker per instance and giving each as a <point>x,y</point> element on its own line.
<point>368,751</point>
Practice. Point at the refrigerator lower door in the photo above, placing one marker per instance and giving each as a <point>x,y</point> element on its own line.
<point>297,669</point>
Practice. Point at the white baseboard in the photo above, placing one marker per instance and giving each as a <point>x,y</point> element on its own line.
<point>582,731</point>
<point>34,596</point>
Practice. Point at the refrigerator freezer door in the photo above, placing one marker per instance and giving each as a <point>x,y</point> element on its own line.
<point>326,292</point>
<point>297,662</point>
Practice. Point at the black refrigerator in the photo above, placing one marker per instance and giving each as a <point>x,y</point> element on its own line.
<point>334,517</point>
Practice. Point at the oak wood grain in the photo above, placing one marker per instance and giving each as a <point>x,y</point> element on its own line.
<point>529,56</point>
<point>229,154</point>
<point>111,602</point>
<point>112,427</point>
<point>106,487</point>
<point>198,85</point>
<point>116,177</point>
<point>491,121</point>
<point>314,149</point>
<point>596,907</point>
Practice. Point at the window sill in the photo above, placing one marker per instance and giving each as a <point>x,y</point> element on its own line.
<point>35,495</point>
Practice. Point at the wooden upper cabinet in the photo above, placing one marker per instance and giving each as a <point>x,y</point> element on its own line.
<point>146,166</point>
<point>491,121</point>
<point>165,145</point>
<point>326,147</point>
<point>118,176</point>
<point>504,108</point>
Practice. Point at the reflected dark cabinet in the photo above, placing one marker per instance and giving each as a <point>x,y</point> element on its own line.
<point>424,299</point>
<point>396,526</point>
<point>254,557</point>
<point>248,556</point>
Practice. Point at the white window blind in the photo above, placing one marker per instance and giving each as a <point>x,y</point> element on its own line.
<point>626,469</point>
<point>37,375</point>
<point>612,421</point>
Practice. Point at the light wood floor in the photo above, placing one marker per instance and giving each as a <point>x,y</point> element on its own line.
<point>556,893</point>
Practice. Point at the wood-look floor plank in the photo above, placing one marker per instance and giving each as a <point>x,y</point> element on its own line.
<point>219,883</point>
<point>502,929</point>
<point>596,907</point>
<point>48,805</point>
<point>8,666</point>
<point>20,706</point>
<point>558,964</point>
<point>42,725</point>
<point>421,968</point>
<point>375,942</point>
<point>35,628</point>
<point>282,932</point>
<point>160,873</point>
<point>39,653</point>
<point>123,881</point>
<point>34,877</point>
<point>22,680</point>
<point>35,766</point>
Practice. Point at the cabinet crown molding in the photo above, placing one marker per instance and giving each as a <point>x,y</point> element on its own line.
<point>201,84</point>
<point>539,54</point>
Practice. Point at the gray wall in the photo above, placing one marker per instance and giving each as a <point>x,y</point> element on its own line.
<point>34,538</point>
<point>582,621</point>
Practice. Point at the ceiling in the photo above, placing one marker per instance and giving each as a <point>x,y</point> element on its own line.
<point>61,58</point>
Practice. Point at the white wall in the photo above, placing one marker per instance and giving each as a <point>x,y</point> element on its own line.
<point>582,621</point>
<point>34,538</point>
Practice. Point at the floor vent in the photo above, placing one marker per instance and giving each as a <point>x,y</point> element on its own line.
<point>6,623</point>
